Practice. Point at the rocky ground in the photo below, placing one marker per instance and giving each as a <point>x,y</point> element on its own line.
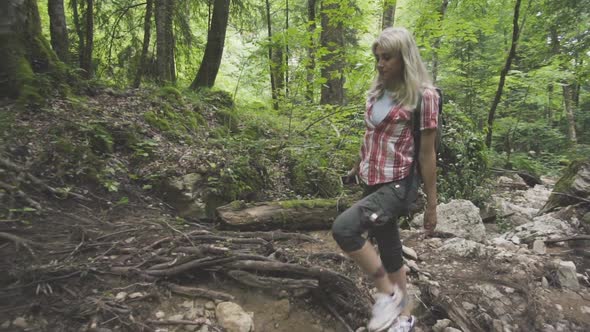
<point>89,260</point>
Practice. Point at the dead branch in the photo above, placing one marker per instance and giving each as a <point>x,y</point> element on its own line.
<point>200,321</point>
<point>272,236</point>
<point>271,282</point>
<point>198,292</point>
<point>19,241</point>
<point>568,238</point>
<point>20,194</point>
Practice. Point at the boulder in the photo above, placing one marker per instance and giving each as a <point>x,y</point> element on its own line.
<point>542,227</point>
<point>233,318</point>
<point>460,218</point>
<point>462,248</point>
<point>575,182</point>
<point>567,276</point>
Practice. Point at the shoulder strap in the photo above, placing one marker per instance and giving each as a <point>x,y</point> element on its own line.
<point>416,125</point>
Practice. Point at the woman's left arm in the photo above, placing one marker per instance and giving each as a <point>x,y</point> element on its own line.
<point>427,162</point>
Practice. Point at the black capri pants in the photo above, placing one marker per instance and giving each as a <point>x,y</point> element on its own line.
<point>389,201</point>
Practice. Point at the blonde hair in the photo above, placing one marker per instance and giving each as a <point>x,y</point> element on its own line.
<point>399,41</point>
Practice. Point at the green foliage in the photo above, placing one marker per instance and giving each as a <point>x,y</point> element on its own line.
<point>463,164</point>
<point>311,174</point>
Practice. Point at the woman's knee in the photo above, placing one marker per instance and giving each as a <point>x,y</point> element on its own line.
<point>347,233</point>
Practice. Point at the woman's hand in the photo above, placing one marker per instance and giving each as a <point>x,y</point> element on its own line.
<point>430,220</point>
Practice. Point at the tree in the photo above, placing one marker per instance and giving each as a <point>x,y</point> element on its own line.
<point>58,28</point>
<point>86,56</point>
<point>275,58</point>
<point>504,73</point>
<point>24,50</point>
<point>164,10</point>
<point>310,64</point>
<point>147,30</point>
<point>332,41</point>
<point>388,13</point>
<point>214,49</point>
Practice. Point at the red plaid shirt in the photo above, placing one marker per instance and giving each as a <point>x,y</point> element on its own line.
<point>387,152</point>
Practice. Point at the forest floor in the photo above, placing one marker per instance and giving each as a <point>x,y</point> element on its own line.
<point>95,262</point>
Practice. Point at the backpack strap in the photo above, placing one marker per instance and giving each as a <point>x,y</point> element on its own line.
<point>416,114</point>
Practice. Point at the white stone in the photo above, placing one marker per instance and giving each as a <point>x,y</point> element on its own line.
<point>566,274</point>
<point>458,217</point>
<point>121,296</point>
<point>160,314</point>
<point>468,306</point>
<point>361,329</point>
<point>559,307</point>
<point>411,253</point>
<point>462,248</point>
<point>204,328</point>
<point>504,244</point>
<point>135,295</point>
<point>210,305</point>
<point>20,322</point>
<point>544,226</point>
<point>233,318</point>
<point>539,247</point>
<point>451,329</point>
<point>187,304</point>
<point>545,282</point>
<point>585,310</point>
<point>441,324</point>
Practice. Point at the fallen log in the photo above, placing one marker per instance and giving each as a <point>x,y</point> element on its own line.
<point>291,215</point>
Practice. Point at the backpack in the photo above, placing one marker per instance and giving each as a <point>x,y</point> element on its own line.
<point>416,124</point>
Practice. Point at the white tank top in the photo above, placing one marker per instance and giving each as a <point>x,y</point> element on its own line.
<point>381,107</point>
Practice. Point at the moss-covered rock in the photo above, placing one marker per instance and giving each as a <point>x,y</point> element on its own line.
<point>575,182</point>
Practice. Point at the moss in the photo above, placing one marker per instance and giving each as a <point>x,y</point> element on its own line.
<point>228,119</point>
<point>157,121</point>
<point>218,98</point>
<point>170,94</point>
<point>309,204</point>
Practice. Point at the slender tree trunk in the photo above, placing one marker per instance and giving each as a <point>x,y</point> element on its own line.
<point>332,40</point>
<point>79,32</point>
<point>147,30</point>
<point>286,48</point>
<point>388,13</point>
<point>164,10</point>
<point>436,46</point>
<point>214,49</point>
<point>504,73</point>
<point>86,64</point>
<point>568,106</point>
<point>273,83</point>
<point>58,28</point>
<point>310,67</point>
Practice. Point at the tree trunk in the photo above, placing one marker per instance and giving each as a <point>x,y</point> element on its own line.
<point>504,73</point>
<point>147,30</point>
<point>288,215</point>
<point>388,13</point>
<point>24,50</point>
<point>286,48</point>
<point>58,28</point>
<point>79,32</point>
<point>568,106</point>
<point>275,62</point>
<point>86,58</point>
<point>164,10</point>
<point>310,66</point>
<point>332,63</point>
<point>214,49</point>
<point>436,46</point>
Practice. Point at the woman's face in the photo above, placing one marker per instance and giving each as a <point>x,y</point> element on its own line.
<point>389,65</point>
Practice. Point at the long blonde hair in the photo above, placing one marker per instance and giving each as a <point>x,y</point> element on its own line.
<point>415,76</point>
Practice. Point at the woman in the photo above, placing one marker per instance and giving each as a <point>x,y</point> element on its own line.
<point>389,168</point>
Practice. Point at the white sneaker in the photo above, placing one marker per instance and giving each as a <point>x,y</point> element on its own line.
<point>403,324</point>
<point>385,310</point>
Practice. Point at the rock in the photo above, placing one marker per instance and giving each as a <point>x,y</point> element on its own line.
<point>545,282</point>
<point>504,244</point>
<point>121,296</point>
<point>204,328</point>
<point>135,295</point>
<point>539,247</point>
<point>193,313</point>
<point>5,325</point>
<point>20,322</point>
<point>160,314</point>
<point>187,304</point>
<point>441,325</point>
<point>283,294</point>
<point>566,274</point>
<point>575,182</point>
<point>281,309</point>
<point>460,218</point>
<point>361,329</point>
<point>585,310</point>
<point>233,318</point>
<point>410,253</point>
<point>210,305</point>
<point>542,227</point>
<point>462,248</point>
<point>176,317</point>
<point>468,306</point>
<point>451,329</point>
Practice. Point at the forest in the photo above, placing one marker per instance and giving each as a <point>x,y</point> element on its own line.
<point>138,137</point>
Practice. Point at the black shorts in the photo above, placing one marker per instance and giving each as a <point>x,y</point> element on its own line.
<point>388,201</point>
